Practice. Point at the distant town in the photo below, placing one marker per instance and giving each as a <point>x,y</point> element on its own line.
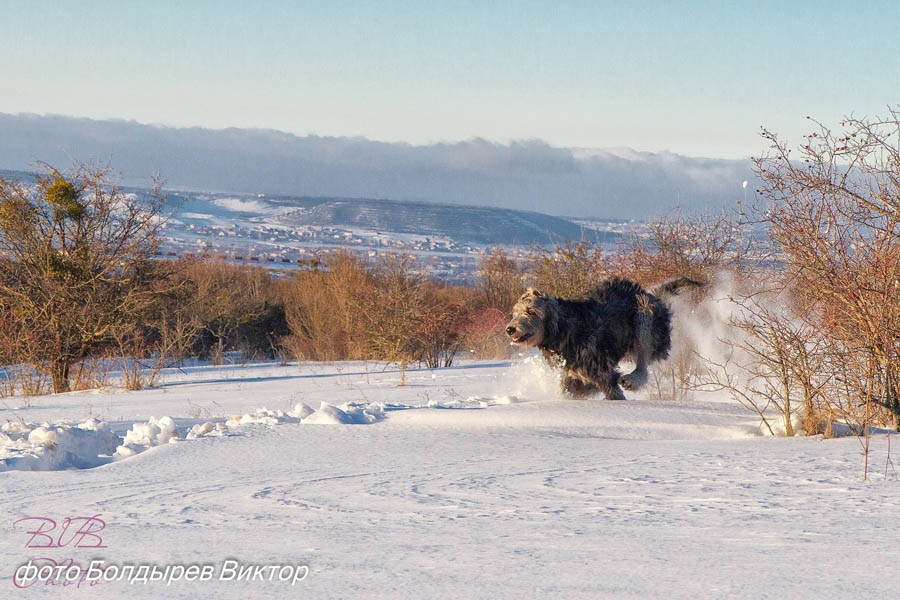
<point>277,241</point>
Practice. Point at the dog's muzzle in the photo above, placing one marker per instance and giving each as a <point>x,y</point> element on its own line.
<point>512,333</point>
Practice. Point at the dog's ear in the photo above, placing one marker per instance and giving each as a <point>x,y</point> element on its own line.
<point>535,293</point>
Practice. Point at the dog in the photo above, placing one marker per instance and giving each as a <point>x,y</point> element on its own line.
<point>588,338</point>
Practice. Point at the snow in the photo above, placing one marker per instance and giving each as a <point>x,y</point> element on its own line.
<point>476,481</point>
<point>141,436</point>
<point>346,414</point>
<point>27,446</point>
<point>32,447</point>
<point>246,206</point>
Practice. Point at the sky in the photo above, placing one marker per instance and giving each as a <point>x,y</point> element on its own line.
<point>696,78</point>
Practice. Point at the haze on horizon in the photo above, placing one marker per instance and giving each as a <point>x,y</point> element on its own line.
<point>525,175</point>
<point>694,78</point>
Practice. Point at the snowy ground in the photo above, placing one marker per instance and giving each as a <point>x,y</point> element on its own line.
<point>470,482</point>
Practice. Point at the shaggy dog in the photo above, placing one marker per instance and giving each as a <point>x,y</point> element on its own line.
<point>588,338</point>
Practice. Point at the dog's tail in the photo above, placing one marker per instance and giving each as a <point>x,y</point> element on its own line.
<point>671,288</point>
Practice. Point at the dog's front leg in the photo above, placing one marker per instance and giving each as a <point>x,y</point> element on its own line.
<point>577,388</point>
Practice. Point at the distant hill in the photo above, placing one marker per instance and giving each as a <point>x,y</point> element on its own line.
<point>20,175</point>
<point>463,224</point>
<point>527,175</point>
<point>472,224</point>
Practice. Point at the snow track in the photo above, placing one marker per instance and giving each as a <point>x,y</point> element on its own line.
<point>454,492</point>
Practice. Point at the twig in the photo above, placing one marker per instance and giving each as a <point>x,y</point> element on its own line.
<point>888,462</point>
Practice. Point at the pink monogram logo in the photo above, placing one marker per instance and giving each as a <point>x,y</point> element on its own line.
<point>74,532</point>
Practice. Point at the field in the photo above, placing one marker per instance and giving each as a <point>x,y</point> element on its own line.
<point>476,481</point>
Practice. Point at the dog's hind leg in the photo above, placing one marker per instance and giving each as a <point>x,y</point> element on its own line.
<point>643,344</point>
<point>637,378</point>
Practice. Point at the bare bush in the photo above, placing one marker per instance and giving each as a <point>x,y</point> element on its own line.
<point>500,280</point>
<point>441,319</point>
<point>569,269</point>
<point>222,299</point>
<point>485,333</point>
<point>680,245</point>
<point>770,359</point>
<point>388,311</point>
<point>389,316</point>
<point>91,373</point>
<point>76,263</point>
<point>24,379</point>
<point>319,309</point>
<point>834,214</point>
<point>7,381</point>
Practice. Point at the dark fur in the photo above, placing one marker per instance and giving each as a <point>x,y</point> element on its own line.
<point>588,338</point>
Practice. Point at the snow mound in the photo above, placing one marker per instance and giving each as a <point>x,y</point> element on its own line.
<point>301,411</point>
<point>156,432</point>
<point>142,436</point>
<point>31,447</point>
<point>263,416</point>
<point>204,429</point>
<point>345,414</point>
<point>362,413</point>
<point>327,415</point>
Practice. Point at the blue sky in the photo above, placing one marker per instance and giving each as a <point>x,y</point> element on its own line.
<point>697,78</point>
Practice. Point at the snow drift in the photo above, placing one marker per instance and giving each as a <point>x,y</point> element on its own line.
<point>31,447</point>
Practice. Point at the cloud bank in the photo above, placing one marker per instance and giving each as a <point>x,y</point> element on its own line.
<point>526,175</point>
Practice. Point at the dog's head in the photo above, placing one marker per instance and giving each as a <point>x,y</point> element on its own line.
<point>533,315</point>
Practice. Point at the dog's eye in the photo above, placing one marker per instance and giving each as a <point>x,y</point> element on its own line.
<point>529,311</point>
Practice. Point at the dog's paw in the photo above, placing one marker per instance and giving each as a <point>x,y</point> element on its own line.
<point>633,381</point>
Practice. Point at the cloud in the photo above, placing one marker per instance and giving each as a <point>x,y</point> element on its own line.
<point>527,174</point>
